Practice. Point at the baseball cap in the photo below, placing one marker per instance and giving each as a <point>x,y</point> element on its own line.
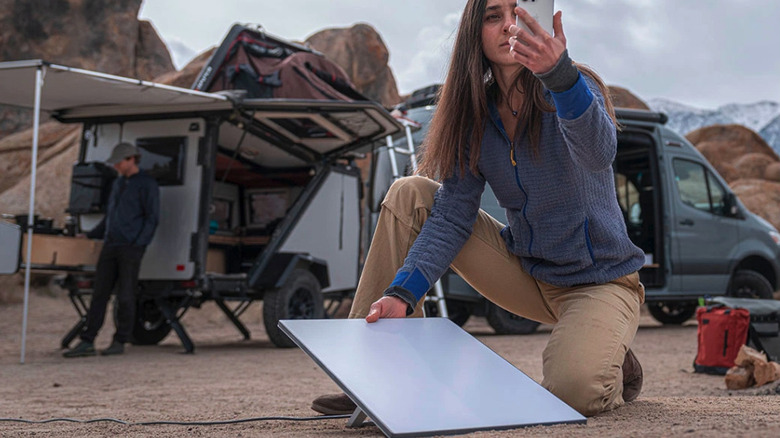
<point>122,151</point>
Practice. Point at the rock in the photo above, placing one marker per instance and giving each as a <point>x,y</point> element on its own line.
<point>52,184</point>
<point>360,51</point>
<point>772,172</point>
<point>185,77</point>
<point>622,98</point>
<point>761,197</point>
<point>736,141</point>
<point>16,152</point>
<point>95,35</point>
<point>753,165</point>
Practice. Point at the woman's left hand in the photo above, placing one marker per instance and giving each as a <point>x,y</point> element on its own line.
<point>541,51</point>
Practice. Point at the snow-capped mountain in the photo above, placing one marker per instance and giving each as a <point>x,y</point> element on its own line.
<point>762,117</point>
<point>771,133</point>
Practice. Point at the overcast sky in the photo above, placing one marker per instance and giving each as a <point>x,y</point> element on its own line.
<point>703,53</point>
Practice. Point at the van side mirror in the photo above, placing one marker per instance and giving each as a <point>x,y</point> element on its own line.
<point>730,206</point>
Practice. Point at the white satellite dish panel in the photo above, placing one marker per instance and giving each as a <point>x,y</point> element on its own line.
<point>425,376</point>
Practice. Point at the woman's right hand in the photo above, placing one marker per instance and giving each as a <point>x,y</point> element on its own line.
<point>387,307</point>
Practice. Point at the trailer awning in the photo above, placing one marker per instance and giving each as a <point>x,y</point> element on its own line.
<point>68,90</point>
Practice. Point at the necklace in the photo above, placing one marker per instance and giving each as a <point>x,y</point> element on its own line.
<point>509,105</point>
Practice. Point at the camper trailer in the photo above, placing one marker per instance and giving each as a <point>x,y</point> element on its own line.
<point>260,196</point>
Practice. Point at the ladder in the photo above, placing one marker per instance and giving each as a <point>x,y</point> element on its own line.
<point>437,297</point>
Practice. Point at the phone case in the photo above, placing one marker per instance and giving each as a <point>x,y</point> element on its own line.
<point>541,10</point>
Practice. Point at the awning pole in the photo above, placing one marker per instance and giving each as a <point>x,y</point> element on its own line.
<point>30,213</point>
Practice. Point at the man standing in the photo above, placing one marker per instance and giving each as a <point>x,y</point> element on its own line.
<point>131,218</point>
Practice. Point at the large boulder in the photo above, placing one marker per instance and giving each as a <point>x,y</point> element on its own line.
<point>735,151</point>
<point>736,141</point>
<point>52,182</point>
<point>622,98</point>
<point>360,51</point>
<point>16,151</point>
<point>185,77</point>
<point>761,197</point>
<point>753,165</point>
<point>91,34</point>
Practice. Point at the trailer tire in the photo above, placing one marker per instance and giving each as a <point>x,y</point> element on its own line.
<point>672,312</point>
<point>750,284</point>
<point>150,326</point>
<point>507,323</point>
<point>299,298</point>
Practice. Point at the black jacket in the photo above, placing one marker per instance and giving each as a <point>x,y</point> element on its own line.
<point>133,212</point>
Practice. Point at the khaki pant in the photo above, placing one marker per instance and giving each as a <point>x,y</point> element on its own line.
<point>594,324</point>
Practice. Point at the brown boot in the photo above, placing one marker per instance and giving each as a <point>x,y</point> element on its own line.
<point>632,377</point>
<point>334,404</point>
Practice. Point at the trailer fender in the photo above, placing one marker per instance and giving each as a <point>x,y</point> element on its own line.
<point>282,265</point>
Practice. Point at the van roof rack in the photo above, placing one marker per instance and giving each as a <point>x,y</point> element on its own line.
<point>642,115</point>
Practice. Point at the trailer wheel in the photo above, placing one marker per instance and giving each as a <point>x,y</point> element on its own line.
<point>150,326</point>
<point>299,298</point>
<point>750,284</point>
<point>672,312</point>
<point>507,323</point>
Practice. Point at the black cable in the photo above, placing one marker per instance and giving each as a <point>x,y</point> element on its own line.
<point>176,423</point>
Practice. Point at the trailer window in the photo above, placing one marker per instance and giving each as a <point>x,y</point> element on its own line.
<point>266,206</point>
<point>163,158</point>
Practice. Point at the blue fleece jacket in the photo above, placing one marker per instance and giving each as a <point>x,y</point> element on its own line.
<point>562,214</point>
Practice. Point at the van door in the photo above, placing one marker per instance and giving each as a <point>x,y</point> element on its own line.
<point>169,152</point>
<point>702,237</point>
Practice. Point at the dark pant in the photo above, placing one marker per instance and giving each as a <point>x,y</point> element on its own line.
<point>117,265</point>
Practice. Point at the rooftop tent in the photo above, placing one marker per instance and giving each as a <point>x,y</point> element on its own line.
<point>60,91</point>
<point>269,67</point>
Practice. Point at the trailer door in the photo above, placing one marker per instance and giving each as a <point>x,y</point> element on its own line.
<point>170,153</point>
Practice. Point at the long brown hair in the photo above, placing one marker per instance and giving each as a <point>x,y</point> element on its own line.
<point>457,124</point>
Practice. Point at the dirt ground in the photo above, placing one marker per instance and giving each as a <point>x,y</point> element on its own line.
<point>228,378</point>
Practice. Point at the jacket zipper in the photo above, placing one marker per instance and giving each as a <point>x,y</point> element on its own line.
<point>525,203</point>
<point>512,159</point>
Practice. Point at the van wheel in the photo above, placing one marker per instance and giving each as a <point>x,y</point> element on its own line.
<point>299,298</point>
<point>749,284</point>
<point>507,323</point>
<point>672,312</point>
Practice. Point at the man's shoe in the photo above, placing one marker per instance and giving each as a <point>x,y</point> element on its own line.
<point>334,404</point>
<point>632,377</point>
<point>116,347</point>
<point>83,348</point>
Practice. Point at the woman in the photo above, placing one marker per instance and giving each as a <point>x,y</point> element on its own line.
<point>515,112</point>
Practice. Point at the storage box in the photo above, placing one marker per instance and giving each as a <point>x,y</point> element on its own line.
<point>54,250</point>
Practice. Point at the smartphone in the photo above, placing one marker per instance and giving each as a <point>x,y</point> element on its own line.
<point>541,10</point>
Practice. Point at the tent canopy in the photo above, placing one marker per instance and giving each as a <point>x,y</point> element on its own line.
<point>65,89</point>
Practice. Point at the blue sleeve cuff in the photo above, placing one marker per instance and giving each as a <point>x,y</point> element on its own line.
<point>573,102</point>
<point>414,282</point>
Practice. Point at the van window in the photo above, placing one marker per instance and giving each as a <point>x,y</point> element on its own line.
<point>698,188</point>
<point>717,195</point>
